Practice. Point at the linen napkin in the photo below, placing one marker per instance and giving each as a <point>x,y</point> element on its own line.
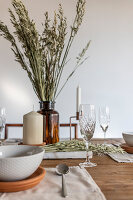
<point>80,186</point>
<point>122,158</point>
<point>12,141</point>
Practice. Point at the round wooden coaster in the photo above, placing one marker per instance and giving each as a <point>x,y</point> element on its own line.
<point>127,148</point>
<point>16,186</point>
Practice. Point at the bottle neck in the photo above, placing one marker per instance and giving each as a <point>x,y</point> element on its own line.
<point>47,105</point>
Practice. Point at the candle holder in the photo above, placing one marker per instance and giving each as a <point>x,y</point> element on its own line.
<point>73,117</point>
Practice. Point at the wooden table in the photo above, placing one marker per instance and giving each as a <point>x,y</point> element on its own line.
<point>114,179</point>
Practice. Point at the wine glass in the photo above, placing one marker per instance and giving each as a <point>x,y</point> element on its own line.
<point>87,122</point>
<point>2,120</point>
<point>104,119</point>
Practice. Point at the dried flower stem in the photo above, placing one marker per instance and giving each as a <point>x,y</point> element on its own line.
<point>44,56</point>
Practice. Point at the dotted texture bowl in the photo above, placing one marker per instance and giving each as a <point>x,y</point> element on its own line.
<point>19,162</point>
<point>128,137</point>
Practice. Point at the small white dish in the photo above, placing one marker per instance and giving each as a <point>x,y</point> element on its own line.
<point>18,162</point>
<point>128,137</point>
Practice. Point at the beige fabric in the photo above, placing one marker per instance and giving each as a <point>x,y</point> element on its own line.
<point>122,158</point>
<point>80,186</point>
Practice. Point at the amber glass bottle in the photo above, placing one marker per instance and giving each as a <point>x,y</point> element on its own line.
<point>50,122</point>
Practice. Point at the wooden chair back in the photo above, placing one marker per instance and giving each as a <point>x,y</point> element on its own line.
<point>61,125</point>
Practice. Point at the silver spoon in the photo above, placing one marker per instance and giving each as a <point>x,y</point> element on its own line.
<point>63,169</point>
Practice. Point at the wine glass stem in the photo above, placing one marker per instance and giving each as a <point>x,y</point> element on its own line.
<point>87,152</point>
<point>0,138</point>
<point>104,137</point>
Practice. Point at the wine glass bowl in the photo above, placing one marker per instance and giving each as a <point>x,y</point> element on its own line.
<point>2,119</point>
<point>87,122</point>
<point>86,128</point>
<point>104,119</point>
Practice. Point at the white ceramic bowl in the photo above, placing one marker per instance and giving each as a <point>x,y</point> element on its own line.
<point>128,137</point>
<point>17,162</point>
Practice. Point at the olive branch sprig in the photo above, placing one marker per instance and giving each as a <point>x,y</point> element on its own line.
<point>79,145</point>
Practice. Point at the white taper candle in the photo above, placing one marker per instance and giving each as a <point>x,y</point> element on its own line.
<point>78,98</point>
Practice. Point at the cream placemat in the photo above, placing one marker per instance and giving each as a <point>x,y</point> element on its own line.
<point>122,158</point>
<point>80,186</point>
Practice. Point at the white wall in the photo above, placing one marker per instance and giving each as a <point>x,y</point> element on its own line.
<point>106,77</point>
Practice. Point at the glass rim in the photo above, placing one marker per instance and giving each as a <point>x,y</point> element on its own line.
<point>91,106</point>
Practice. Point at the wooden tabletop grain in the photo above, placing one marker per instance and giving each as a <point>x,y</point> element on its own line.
<point>114,179</point>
